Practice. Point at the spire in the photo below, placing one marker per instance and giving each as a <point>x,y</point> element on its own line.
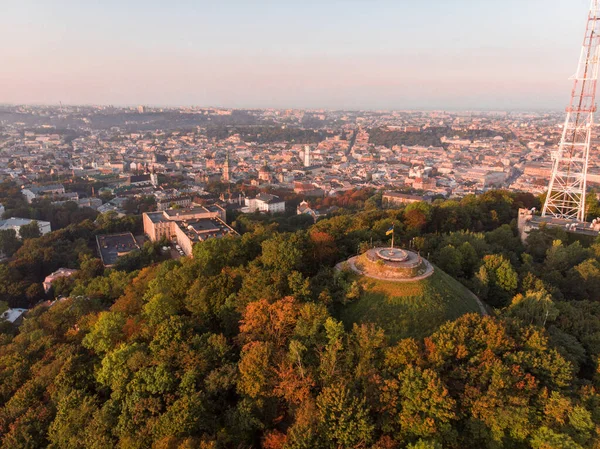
<point>226,175</point>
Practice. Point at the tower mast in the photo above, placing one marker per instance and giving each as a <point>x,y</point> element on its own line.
<point>567,188</point>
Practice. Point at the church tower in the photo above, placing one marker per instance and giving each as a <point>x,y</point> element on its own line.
<point>226,176</point>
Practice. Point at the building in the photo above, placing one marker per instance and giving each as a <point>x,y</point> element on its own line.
<point>190,232</point>
<point>396,198</point>
<point>173,201</point>
<point>304,209</point>
<point>13,316</point>
<point>186,227</point>
<point>307,160</point>
<point>60,273</point>
<point>162,224</point>
<point>112,247</point>
<point>528,221</point>
<point>16,224</point>
<point>226,168</point>
<point>308,190</point>
<point>54,191</point>
<point>538,170</point>
<point>264,174</point>
<point>2,210</point>
<point>148,179</point>
<point>92,203</point>
<point>264,202</point>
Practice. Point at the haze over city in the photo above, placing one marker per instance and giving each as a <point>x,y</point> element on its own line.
<point>459,54</point>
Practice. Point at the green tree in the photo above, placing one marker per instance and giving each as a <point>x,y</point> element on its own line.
<point>450,260</point>
<point>343,418</point>
<point>106,333</point>
<point>9,242</point>
<point>30,231</point>
<point>497,279</point>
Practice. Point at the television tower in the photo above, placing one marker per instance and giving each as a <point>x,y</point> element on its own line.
<point>567,189</point>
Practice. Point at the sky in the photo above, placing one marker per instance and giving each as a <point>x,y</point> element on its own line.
<point>331,54</point>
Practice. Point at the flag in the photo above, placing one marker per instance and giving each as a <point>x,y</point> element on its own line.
<point>390,231</point>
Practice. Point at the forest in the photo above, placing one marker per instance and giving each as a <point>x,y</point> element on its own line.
<point>242,346</point>
<point>429,137</point>
<point>269,134</point>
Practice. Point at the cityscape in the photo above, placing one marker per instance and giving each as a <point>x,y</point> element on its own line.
<point>321,153</point>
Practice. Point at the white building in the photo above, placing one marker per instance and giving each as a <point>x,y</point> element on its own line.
<point>2,210</point>
<point>16,223</point>
<point>265,202</point>
<point>13,316</point>
<point>307,160</point>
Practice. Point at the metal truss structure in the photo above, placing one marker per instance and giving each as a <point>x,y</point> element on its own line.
<point>567,189</point>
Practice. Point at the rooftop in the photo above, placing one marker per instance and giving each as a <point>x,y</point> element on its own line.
<point>268,198</point>
<point>113,246</point>
<point>202,229</point>
<point>12,315</point>
<point>14,221</point>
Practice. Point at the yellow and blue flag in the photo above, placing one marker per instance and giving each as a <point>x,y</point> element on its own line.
<point>390,231</point>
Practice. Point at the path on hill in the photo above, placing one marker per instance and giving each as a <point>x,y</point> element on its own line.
<point>480,303</point>
<point>351,263</point>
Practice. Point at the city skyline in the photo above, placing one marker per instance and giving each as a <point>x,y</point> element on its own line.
<point>354,55</point>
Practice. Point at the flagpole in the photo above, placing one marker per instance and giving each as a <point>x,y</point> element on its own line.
<point>392,237</point>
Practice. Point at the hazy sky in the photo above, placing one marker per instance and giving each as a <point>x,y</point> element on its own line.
<point>369,54</point>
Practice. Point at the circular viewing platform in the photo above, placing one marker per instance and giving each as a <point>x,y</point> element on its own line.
<point>391,264</point>
<point>392,254</point>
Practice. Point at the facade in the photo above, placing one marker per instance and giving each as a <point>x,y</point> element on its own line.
<point>265,202</point>
<point>264,174</point>
<point>305,209</point>
<point>16,223</point>
<point>307,160</point>
<point>528,222</point>
<point>148,179</point>
<point>226,168</point>
<point>170,202</point>
<point>395,198</point>
<point>54,191</point>
<point>188,233</point>
<point>60,273</point>
<point>187,226</point>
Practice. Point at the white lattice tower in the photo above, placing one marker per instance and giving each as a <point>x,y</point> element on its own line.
<point>566,192</point>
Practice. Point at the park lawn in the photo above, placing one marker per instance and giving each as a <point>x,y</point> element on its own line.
<point>412,309</point>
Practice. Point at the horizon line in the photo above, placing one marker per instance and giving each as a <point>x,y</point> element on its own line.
<point>280,108</point>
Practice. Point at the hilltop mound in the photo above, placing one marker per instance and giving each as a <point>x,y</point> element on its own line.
<point>410,309</point>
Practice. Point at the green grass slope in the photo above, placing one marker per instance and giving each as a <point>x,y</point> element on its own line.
<point>412,309</point>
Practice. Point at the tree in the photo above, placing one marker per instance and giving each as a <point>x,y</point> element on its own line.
<point>9,242</point>
<point>343,418</point>
<point>535,307</point>
<point>283,253</point>
<point>418,404</point>
<point>497,280</point>
<point>450,260</point>
<point>106,333</point>
<point>69,428</point>
<point>30,231</point>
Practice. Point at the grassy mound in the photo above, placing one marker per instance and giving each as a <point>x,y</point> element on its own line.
<point>412,309</point>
